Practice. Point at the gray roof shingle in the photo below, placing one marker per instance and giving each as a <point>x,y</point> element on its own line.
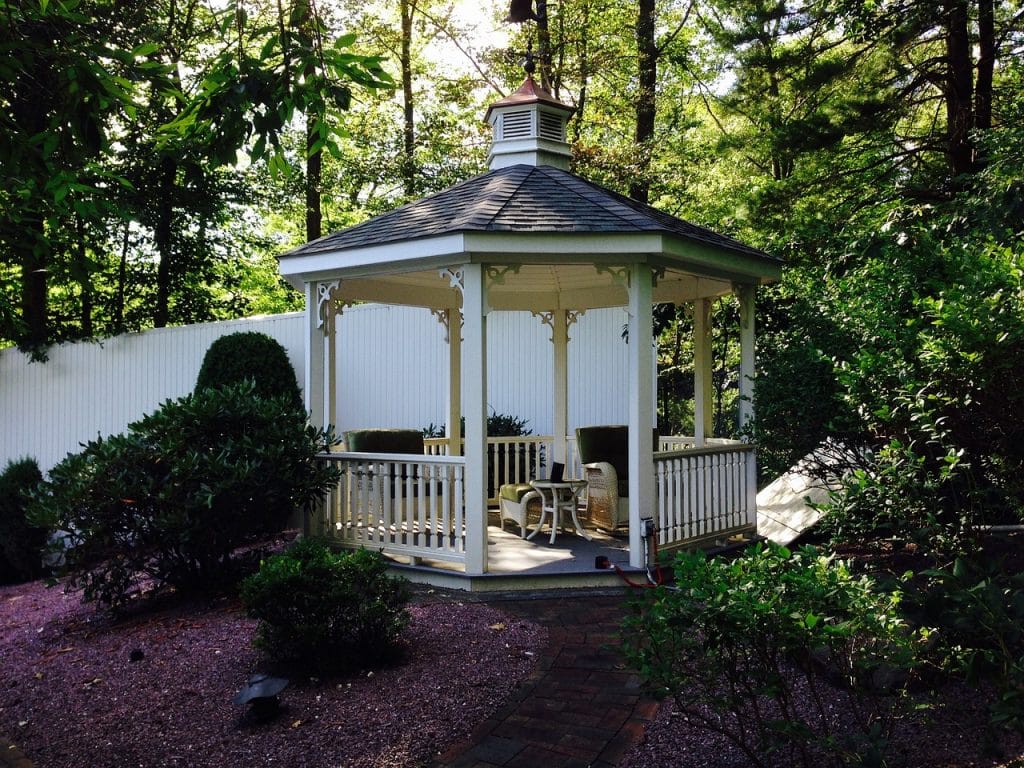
<point>519,198</point>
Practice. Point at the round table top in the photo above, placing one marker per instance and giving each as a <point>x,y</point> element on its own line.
<point>558,483</point>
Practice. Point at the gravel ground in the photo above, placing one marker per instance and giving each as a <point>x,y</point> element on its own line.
<point>71,696</point>
<point>948,736</point>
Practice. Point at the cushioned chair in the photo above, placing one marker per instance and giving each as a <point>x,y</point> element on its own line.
<point>515,502</point>
<point>386,441</point>
<point>604,452</point>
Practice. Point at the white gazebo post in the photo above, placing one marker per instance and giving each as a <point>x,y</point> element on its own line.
<point>641,409</point>
<point>453,424</point>
<point>319,320</point>
<point>560,340</point>
<point>703,396</point>
<point>474,394</point>
<point>747,294</point>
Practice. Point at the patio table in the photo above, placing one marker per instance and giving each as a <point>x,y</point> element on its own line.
<point>557,497</point>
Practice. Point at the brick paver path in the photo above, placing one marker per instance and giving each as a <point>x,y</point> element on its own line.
<point>581,707</point>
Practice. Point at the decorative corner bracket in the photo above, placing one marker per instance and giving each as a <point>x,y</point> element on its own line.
<point>444,318</point>
<point>497,275</point>
<point>620,275</point>
<point>548,319</point>
<point>324,300</point>
<point>455,278</point>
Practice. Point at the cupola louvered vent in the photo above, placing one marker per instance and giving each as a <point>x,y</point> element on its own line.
<point>529,129</point>
<point>552,127</point>
<point>516,125</point>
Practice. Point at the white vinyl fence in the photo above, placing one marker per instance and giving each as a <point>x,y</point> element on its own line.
<point>392,373</point>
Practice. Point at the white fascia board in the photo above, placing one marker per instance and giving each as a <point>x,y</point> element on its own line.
<point>387,258</point>
<point>704,259</point>
<point>549,247</point>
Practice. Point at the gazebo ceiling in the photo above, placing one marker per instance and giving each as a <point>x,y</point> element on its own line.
<point>529,287</point>
<point>550,239</point>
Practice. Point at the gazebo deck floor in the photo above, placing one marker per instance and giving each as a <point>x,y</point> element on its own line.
<point>514,563</point>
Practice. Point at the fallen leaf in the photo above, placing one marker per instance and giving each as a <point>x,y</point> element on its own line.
<point>498,627</point>
<point>296,723</point>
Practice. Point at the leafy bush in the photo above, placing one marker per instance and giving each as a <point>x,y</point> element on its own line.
<point>324,612</point>
<point>21,543</point>
<point>899,494</point>
<point>171,498</point>
<point>760,649</point>
<point>978,610</point>
<point>250,356</point>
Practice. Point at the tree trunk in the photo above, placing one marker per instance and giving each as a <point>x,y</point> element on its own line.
<point>162,237</point>
<point>959,109</point>
<point>122,278</point>
<point>314,174</point>
<point>84,279</point>
<point>34,266</point>
<point>544,44</point>
<point>646,100</point>
<point>986,65</point>
<point>33,245</point>
<point>408,8</point>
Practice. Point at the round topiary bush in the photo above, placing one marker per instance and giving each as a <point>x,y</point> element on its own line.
<point>169,501</point>
<point>250,356</point>
<point>325,612</point>
<point>21,543</point>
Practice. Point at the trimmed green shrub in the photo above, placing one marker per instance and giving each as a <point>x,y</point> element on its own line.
<point>787,655</point>
<point>171,498</point>
<point>326,613</point>
<point>978,610</point>
<point>250,356</point>
<point>21,543</point>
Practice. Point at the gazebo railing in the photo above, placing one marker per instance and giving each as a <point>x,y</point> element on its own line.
<point>403,504</point>
<point>414,505</point>
<point>705,493</point>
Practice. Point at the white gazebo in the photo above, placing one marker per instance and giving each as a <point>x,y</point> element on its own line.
<point>529,235</point>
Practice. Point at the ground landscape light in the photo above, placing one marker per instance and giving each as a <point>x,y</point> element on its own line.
<point>260,693</point>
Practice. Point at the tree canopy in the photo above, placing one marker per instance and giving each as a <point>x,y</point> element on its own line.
<point>158,159</point>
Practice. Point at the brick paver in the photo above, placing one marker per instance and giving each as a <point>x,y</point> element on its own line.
<point>581,708</point>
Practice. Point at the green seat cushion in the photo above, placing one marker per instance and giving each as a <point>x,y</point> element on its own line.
<point>514,491</point>
<point>384,441</point>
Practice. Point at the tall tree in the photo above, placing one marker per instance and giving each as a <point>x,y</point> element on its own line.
<point>67,71</point>
<point>275,68</point>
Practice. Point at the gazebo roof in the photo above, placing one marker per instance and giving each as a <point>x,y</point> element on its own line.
<point>521,199</point>
<point>552,238</point>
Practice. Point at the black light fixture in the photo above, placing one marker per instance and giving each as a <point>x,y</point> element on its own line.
<point>260,694</point>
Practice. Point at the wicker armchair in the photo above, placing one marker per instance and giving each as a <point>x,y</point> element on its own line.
<point>605,507</point>
<point>515,502</point>
<point>604,452</point>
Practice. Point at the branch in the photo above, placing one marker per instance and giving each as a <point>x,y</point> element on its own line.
<point>440,27</point>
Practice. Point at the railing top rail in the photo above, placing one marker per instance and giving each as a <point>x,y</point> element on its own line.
<point>495,439</point>
<point>705,450</point>
<point>404,458</point>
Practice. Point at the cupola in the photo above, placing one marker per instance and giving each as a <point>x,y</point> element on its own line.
<point>529,129</point>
